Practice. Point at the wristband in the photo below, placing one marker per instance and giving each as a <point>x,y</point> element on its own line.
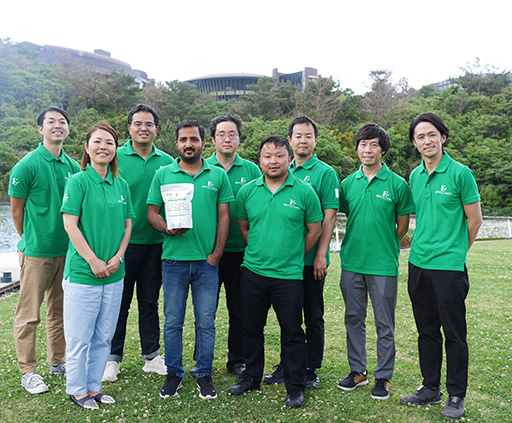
<point>119,257</point>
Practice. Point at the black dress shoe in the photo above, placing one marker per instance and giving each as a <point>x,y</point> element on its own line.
<point>245,384</point>
<point>295,399</point>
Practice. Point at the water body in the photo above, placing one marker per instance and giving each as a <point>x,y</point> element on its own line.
<point>492,228</point>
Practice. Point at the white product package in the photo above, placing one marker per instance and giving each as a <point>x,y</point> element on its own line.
<point>178,205</point>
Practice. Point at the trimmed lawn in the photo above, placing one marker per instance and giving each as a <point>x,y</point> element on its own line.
<point>489,397</point>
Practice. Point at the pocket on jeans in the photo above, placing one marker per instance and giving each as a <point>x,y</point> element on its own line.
<point>169,263</point>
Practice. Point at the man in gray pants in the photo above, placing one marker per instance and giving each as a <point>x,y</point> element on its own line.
<point>377,203</point>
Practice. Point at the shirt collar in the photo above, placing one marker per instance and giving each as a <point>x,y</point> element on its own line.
<point>313,160</point>
<point>213,160</point>
<point>176,169</point>
<point>49,156</point>
<point>97,178</point>
<point>382,175</point>
<point>131,151</point>
<point>290,180</point>
<point>442,165</point>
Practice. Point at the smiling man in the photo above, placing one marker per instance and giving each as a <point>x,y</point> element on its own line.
<point>279,217</point>
<point>226,131</point>
<point>138,160</point>
<point>303,136</point>
<point>36,189</point>
<point>191,254</point>
<point>448,217</point>
<point>377,203</point>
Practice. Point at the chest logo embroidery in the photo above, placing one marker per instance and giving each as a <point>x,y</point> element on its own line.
<point>443,191</point>
<point>384,196</point>
<point>293,204</point>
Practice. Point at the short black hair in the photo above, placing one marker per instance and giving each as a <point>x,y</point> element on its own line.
<point>237,120</point>
<point>431,118</point>
<point>299,120</point>
<point>189,124</point>
<point>42,115</point>
<point>278,141</point>
<point>143,108</point>
<point>370,131</point>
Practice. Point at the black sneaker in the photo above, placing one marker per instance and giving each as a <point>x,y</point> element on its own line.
<point>454,408</point>
<point>235,369</point>
<point>277,376</point>
<point>295,399</point>
<point>312,380</point>
<point>171,385</point>
<point>206,388</point>
<point>422,396</point>
<point>380,389</point>
<point>245,384</point>
<point>353,380</point>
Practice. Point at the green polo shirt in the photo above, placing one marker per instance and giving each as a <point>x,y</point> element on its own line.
<point>211,187</point>
<point>440,240</point>
<point>277,226</point>
<point>139,173</point>
<point>102,207</point>
<point>371,245</point>
<point>240,172</point>
<point>40,178</point>
<point>324,180</point>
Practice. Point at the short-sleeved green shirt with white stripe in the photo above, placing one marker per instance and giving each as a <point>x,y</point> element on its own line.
<point>102,207</point>
<point>240,172</point>
<point>440,240</point>
<point>211,187</point>
<point>277,226</point>
<point>139,173</point>
<point>40,179</point>
<point>324,180</point>
<point>371,245</point>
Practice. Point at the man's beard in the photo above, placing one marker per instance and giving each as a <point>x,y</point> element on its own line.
<point>191,159</point>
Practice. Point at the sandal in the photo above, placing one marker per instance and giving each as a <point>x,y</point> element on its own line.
<point>85,402</point>
<point>104,399</point>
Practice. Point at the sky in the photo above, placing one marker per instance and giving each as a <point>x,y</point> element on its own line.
<point>423,41</point>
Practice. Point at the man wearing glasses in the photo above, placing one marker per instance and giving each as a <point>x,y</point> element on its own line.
<point>226,131</point>
<point>138,161</point>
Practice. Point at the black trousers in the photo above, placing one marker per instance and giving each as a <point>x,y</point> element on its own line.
<point>314,318</point>
<point>286,297</point>
<point>229,275</point>
<point>438,299</point>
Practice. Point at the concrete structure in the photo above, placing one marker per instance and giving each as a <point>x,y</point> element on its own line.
<point>100,61</point>
<point>226,86</point>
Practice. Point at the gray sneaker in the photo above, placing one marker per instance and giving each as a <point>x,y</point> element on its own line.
<point>33,383</point>
<point>58,369</point>
<point>422,396</point>
<point>454,408</point>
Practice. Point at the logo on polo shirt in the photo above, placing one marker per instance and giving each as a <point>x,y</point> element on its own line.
<point>307,178</point>
<point>443,191</point>
<point>65,197</point>
<point>242,181</point>
<point>15,181</point>
<point>122,200</point>
<point>210,186</point>
<point>156,170</point>
<point>293,204</point>
<point>384,196</point>
<point>67,177</point>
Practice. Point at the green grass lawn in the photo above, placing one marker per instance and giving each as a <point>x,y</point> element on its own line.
<point>489,396</point>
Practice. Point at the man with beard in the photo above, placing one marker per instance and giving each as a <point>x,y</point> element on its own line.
<point>191,254</point>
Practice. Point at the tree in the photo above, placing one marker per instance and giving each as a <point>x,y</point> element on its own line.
<point>386,101</point>
<point>321,100</point>
<point>482,78</point>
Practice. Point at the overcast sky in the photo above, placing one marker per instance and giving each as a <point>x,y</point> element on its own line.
<point>423,41</point>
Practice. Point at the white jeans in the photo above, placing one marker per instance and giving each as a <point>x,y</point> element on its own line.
<point>90,318</point>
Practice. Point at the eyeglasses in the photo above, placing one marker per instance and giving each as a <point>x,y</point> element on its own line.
<point>222,135</point>
<point>138,125</point>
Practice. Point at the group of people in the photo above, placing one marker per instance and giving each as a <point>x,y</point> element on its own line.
<point>92,235</point>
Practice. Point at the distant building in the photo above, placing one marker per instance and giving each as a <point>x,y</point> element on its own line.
<point>232,85</point>
<point>439,86</point>
<point>99,61</point>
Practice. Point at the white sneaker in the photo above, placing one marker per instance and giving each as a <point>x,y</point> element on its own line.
<point>111,372</point>
<point>156,365</point>
<point>33,383</point>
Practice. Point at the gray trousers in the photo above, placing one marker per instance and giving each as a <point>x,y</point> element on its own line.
<point>355,288</point>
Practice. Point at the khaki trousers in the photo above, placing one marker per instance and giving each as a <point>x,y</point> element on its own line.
<point>39,275</point>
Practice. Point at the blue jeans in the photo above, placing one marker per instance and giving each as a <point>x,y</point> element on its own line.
<point>90,315</point>
<point>203,279</point>
<point>144,270</point>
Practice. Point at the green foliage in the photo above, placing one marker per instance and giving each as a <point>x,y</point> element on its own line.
<point>478,111</point>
